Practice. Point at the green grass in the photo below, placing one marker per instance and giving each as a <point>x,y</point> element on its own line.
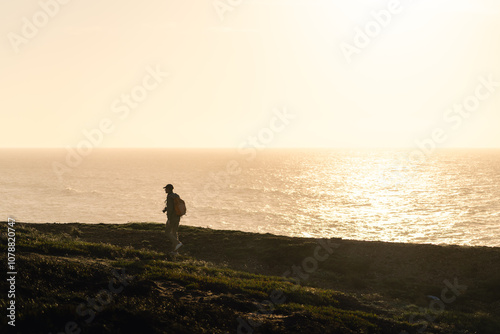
<point>206,292</point>
<point>66,244</point>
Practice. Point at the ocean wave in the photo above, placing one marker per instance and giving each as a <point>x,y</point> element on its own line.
<point>71,190</point>
<point>79,192</point>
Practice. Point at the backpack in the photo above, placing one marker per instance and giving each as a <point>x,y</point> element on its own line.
<point>179,206</point>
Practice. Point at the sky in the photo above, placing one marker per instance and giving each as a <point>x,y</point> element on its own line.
<point>263,73</point>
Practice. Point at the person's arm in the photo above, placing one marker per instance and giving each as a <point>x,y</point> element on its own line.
<point>165,208</point>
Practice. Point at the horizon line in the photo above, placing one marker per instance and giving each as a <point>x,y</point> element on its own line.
<point>264,148</point>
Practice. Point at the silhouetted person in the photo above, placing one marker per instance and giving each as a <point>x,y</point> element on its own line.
<point>173,219</point>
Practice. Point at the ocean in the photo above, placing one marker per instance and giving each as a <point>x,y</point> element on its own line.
<point>449,197</point>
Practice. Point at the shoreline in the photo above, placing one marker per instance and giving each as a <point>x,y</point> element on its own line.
<point>442,244</point>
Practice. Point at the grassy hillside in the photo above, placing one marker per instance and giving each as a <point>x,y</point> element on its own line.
<point>82,278</point>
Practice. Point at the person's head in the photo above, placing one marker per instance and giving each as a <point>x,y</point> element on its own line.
<point>168,188</point>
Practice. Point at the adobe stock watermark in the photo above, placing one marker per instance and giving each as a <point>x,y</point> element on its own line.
<point>31,26</point>
<point>121,107</point>
<point>300,274</point>
<point>94,305</point>
<point>437,305</point>
<point>11,272</point>
<point>454,118</point>
<point>280,120</point>
<point>248,148</point>
<point>363,36</point>
<point>223,6</point>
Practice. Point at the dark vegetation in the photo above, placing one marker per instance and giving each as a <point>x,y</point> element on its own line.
<point>117,279</point>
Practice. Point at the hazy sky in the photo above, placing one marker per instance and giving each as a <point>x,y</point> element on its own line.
<point>357,73</point>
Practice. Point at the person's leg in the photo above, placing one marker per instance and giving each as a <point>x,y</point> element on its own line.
<point>169,232</point>
<point>173,235</point>
<point>175,228</point>
<point>167,227</point>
